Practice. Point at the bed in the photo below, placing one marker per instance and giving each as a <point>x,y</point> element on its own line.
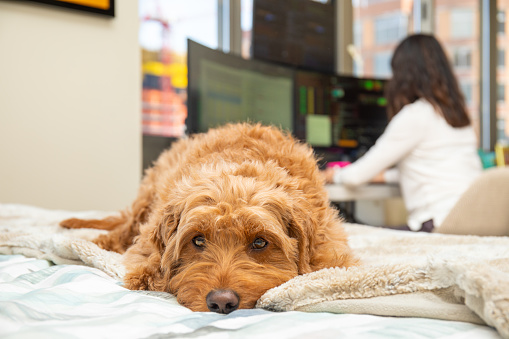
<point>55,283</point>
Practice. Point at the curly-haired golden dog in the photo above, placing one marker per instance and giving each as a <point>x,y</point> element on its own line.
<point>224,216</point>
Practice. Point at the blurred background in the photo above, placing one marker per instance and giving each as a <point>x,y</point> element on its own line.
<point>87,101</point>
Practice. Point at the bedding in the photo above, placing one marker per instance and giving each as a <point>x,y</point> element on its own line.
<point>56,283</point>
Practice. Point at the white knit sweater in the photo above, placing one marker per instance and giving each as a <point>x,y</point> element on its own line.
<point>435,163</point>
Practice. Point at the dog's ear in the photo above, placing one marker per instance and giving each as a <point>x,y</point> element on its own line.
<point>164,226</point>
<point>297,224</point>
<point>323,242</point>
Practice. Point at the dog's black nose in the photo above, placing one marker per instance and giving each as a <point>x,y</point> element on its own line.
<point>222,301</point>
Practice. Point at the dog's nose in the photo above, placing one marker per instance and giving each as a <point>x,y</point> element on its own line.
<point>222,301</point>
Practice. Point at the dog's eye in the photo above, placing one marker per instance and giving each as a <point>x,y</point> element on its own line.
<point>259,243</point>
<point>199,241</point>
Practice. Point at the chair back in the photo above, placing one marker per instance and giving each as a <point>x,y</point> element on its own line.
<point>483,209</point>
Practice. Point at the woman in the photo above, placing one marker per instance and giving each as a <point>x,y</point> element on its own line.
<point>429,138</point>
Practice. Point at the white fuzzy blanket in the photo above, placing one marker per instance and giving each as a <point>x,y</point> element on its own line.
<point>34,232</point>
<point>405,274</point>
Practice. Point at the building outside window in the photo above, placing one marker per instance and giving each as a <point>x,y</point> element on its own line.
<point>501,58</point>
<point>390,28</point>
<point>378,26</point>
<point>462,57</point>
<point>501,92</point>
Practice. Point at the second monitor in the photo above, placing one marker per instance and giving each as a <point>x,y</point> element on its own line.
<point>340,116</point>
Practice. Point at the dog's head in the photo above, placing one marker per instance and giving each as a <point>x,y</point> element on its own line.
<point>227,236</point>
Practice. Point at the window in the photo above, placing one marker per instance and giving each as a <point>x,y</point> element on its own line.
<point>462,57</point>
<point>501,58</point>
<point>500,92</point>
<point>500,22</point>
<point>462,23</point>
<point>390,29</point>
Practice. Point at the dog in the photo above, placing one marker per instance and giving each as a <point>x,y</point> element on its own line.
<point>222,217</point>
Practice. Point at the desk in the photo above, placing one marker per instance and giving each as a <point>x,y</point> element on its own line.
<point>341,193</point>
<point>344,197</point>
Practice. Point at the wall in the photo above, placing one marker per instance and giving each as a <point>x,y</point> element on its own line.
<point>70,106</point>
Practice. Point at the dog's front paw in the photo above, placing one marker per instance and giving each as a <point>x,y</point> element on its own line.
<point>136,282</point>
<point>145,277</point>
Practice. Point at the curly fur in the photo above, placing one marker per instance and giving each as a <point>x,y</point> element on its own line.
<point>229,186</point>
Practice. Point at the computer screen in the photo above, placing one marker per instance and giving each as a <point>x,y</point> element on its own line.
<point>225,88</point>
<point>300,33</point>
<point>340,116</point>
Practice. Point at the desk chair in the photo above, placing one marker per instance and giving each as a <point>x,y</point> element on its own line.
<point>483,209</point>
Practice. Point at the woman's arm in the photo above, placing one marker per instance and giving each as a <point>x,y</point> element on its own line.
<point>390,175</point>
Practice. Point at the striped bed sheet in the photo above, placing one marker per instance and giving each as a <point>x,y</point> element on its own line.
<point>42,300</point>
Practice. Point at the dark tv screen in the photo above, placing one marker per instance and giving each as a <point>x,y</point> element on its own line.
<point>300,33</point>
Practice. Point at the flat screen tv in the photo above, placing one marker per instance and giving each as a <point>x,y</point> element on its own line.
<point>299,33</point>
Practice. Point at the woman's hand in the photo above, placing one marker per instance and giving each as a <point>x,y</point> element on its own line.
<point>379,178</point>
<point>328,175</point>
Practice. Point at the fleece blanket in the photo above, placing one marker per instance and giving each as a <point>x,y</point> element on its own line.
<point>404,274</point>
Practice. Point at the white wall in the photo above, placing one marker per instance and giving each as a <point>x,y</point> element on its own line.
<point>70,106</point>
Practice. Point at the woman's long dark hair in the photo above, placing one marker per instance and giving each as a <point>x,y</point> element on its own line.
<point>421,70</point>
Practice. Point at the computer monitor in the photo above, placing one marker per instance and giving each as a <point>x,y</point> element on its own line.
<point>340,116</point>
<point>300,33</point>
<point>225,88</point>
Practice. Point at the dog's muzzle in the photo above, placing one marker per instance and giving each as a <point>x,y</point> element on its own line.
<point>222,301</point>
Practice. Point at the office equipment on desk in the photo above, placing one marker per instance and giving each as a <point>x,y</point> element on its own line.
<point>354,108</point>
<point>341,117</point>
